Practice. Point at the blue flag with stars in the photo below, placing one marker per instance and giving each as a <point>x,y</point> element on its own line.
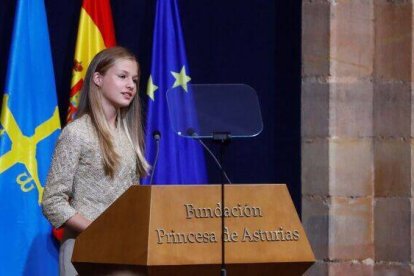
<point>29,127</point>
<point>181,160</point>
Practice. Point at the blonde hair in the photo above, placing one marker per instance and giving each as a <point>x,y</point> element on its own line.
<point>129,118</point>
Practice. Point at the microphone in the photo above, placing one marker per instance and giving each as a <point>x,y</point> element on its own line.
<point>191,132</point>
<point>156,134</point>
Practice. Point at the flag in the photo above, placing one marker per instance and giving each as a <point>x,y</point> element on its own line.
<point>181,160</point>
<point>30,125</point>
<point>95,33</point>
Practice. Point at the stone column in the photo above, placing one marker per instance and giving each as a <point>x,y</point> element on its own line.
<point>337,134</point>
<point>357,129</point>
<point>393,131</point>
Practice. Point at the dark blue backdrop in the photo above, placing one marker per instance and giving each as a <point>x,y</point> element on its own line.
<point>231,41</point>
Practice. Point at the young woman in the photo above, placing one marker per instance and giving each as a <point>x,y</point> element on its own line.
<point>100,154</point>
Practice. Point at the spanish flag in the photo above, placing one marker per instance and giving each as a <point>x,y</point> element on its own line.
<point>95,33</point>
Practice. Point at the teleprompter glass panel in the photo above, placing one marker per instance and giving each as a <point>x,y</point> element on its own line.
<point>205,110</point>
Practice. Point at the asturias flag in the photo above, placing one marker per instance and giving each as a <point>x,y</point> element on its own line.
<point>30,126</point>
<point>181,160</point>
<point>95,33</point>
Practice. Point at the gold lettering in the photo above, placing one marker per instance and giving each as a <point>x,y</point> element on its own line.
<point>189,208</point>
<point>288,235</point>
<point>173,237</point>
<point>160,235</point>
<point>235,212</point>
<point>278,234</point>
<point>191,238</point>
<point>219,210</point>
<point>296,235</point>
<point>282,233</point>
<point>247,236</point>
<point>230,236</point>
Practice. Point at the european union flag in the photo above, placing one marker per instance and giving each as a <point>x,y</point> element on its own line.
<point>181,160</point>
<point>29,127</point>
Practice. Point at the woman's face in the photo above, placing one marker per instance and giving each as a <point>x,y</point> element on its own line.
<point>119,84</point>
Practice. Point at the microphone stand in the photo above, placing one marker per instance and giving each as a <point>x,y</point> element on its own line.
<point>223,139</point>
<point>157,137</point>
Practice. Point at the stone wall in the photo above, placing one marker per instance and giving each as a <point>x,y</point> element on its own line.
<point>356,135</point>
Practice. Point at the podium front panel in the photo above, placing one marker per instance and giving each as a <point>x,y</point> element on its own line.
<point>262,225</point>
<point>151,227</point>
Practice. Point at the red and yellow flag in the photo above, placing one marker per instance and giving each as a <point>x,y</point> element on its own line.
<point>95,33</point>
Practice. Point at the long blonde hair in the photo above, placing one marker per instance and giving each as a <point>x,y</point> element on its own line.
<point>129,118</point>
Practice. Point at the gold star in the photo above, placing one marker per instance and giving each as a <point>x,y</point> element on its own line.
<point>181,79</point>
<point>151,87</point>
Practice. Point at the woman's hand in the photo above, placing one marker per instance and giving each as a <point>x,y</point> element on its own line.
<point>78,223</point>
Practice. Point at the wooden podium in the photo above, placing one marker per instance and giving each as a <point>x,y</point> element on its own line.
<point>176,230</point>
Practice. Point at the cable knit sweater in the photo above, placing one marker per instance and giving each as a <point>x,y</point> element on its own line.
<point>77,182</point>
